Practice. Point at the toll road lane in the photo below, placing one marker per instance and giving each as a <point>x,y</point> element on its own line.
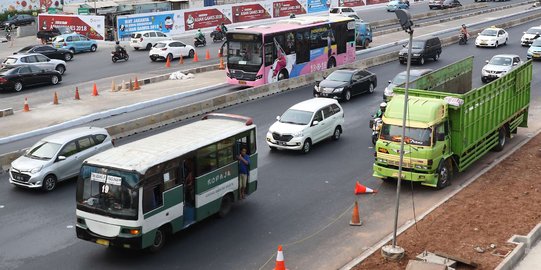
<point>298,195</point>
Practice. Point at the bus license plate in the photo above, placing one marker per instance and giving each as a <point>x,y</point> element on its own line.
<point>242,82</point>
<point>396,175</point>
<point>102,242</point>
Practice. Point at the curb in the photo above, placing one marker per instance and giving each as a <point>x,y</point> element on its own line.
<point>524,244</point>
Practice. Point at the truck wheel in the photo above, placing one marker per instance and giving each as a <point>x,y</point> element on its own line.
<point>444,174</point>
<point>501,140</point>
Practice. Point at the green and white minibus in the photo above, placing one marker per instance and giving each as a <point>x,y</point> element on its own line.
<point>135,195</point>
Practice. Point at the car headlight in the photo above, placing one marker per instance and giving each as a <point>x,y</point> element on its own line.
<point>387,91</point>
<point>316,88</point>
<point>298,134</point>
<point>337,90</point>
<point>36,170</point>
<point>416,54</point>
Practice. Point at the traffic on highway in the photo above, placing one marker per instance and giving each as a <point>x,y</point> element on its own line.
<point>222,191</point>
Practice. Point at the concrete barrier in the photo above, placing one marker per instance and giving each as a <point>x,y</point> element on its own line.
<point>523,243</point>
<point>6,112</point>
<point>27,30</point>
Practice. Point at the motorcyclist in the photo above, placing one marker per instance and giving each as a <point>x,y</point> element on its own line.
<point>464,31</point>
<point>199,36</point>
<point>223,28</point>
<point>119,49</point>
<point>381,110</point>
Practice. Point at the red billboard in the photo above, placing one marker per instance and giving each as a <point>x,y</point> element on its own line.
<point>251,12</point>
<point>373,2</point>
<point>352,3</point>
<point>204,18</point>
<point>286,8</point>
<point>89,26</point>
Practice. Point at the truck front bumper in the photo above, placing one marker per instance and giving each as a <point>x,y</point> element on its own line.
<point>426,179</point>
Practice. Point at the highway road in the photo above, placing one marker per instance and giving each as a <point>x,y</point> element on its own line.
<point>303,201</point>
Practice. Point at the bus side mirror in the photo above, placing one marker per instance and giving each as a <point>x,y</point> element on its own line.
<point>441,137</point>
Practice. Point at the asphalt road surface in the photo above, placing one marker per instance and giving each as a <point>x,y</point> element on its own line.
<point>303,201</point>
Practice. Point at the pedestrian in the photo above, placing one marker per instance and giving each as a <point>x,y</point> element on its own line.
<point>9,36</point>
<point>244,169</point>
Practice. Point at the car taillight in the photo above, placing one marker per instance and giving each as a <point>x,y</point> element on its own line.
<point>3,80</point>
<point>164,49</point>
<point>65,44</point>
<point>141,40</point>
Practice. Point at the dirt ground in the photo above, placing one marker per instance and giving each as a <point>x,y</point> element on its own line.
<point>504,201</point>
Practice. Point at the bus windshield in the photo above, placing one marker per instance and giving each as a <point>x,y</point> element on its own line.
<point>414,136</point>
<point>108,192</point>
<point>245,54</point>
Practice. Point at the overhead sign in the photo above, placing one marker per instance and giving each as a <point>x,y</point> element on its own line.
<point>90,26</point>
<point>83,11</point>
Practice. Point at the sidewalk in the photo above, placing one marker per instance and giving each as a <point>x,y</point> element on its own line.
<point>532,260</point>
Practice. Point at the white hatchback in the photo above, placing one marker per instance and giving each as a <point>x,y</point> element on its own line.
<point>147,39</point>
<point>170,49</point>
<point>305,124</point>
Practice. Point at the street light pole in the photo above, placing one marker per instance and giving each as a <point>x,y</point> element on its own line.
<point>394,252</point>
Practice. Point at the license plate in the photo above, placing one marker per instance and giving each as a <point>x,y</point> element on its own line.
<point>282,143</point>
<point>536,55</point>
<point>58,46</point>
<point>396,175</point>
<point>102,242</point>
<point>242,82</point>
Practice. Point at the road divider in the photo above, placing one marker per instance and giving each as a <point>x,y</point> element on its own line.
<point>6,112</point>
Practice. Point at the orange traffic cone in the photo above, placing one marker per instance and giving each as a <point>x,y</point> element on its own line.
<point>221,63</point>
<point>355,219</point>
<point>55,99</point>
<point>26,108</point>
<point>207,56</point>
<point>77,97</point>
<point>181,61</point>
<point>360,189</point>
<point>195,57</point>
<point>220,53</point>
<point>95,90</point>
<point>167,62</point>
<point>280,263</point>
<point>136,83</point>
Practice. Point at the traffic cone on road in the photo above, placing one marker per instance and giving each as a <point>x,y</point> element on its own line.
<point>77,97</point>
<point>123,86</point>
<point>280,263</point>
<point>95,90</point>
<point>221,63</point>
<point>355,219</point>
<point>136,83</point>
<point>131,85</point>
<point>113,86</point>
<point>220,53</point>
<point>181,61</point>
<point>26,108</point>
<point>360,189</point>
<point>167,62</point>
<point>207,56</point>
<point>55,98</point>
<point>195,57</point>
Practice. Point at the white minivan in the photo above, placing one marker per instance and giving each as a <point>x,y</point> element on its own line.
<point>147,39</point>
<point>305,124</point>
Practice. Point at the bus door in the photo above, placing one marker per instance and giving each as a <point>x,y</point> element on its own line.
<point>188,181</point>
<point>247,141</point>
<point>242,143</point>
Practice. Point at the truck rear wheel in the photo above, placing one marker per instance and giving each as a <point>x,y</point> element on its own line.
<point>501,140</point>
<point>444,174</point>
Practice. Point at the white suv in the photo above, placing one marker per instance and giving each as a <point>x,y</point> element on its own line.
<point>147,39</point>
<point>35,59</point>
<point>305,124</point>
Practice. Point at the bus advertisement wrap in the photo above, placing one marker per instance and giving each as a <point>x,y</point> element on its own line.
<point>317,5</point>
<point>90,26</point>
<point>206,18</point>
<point>251,12</point>
<point>286,8</point>
<point>164,22</point>
<point>351,3</point>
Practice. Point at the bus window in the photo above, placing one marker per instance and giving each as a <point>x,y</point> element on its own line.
<point>289,47</point>
<point>152,194</point>
<point>225,152</point>
<point>303,47</point>
<point>269,54</point>
<point>252,141</point>
<point>318,37</point>
<point>340,33</point>
<point>206,160</point>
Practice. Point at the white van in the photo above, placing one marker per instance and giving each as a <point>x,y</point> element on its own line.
<point>147,39</point>
<point>305,124</point>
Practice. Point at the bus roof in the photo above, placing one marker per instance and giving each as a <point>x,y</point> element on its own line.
<point>292,24</point>
<point>142,154</point>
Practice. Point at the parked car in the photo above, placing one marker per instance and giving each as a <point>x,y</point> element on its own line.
<point>529,36</point>
<point>422,49</point>
<point>35,59</point>
<point>58,157</point>
<point>18,78</point>
<point>49,51</point>
<point>534,52</point>
<point>492,37</point>
<point>305,124</point>
<point>345,83</point>
<point>147,39</point>
<point>75,43</point>
<point>400,78</point>
<point>346,11</point>
<point>394,5</point>
<point>19,20</point>
<point>498,66</point>
<point>170,49</point>
<point>49,34</point>
<point>441,4</point>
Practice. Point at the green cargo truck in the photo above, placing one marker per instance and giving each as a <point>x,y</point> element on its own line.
<point>449,125</point>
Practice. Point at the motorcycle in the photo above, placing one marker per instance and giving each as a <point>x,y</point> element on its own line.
<point>463,39</point>
<point>115,56</point>
<point>375,125</point>
<point>200,42</point>
<point>217,36</point>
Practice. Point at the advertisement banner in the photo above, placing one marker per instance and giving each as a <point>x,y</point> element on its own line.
<point>351,3</point>
<point>373,2</point>
<point>90,26</point>
<point>244,13</point>
<point>25,5</point>
<point>286,8</point>
<point>164,22</point>
<point>317,5</point>
<point>204,18</point>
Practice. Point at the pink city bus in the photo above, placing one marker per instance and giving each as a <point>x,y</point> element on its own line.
<point>268,53</point>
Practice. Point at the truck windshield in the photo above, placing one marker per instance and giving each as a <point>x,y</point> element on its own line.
<point>414,136</point>
<point>108,192</point>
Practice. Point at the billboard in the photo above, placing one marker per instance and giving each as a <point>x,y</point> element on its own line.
<point>25,5</point>
<point>286,8</point>
<point>204,18</point>
<point>244,13</point>
<point>90,26</point>
<point>351,3</point>
<point>317,5</point>
<point>164,22</point>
